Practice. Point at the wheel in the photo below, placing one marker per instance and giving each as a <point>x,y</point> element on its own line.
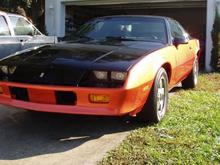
<point>192,80</point>
<point>156,105</point>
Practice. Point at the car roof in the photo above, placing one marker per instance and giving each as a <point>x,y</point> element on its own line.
<point>10,14</point>
<point>2,13</point>
<point>136,16</point>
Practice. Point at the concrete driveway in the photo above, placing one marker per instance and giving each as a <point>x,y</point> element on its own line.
<point>41,138</point>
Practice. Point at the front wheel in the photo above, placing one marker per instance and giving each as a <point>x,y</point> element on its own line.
<point>156,105</point>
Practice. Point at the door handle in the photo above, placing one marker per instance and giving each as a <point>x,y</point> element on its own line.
<point>22,41</point>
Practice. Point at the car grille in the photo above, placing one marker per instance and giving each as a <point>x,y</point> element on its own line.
<point>43,96</point>
<point>65,98</point>
<point>19,93</point>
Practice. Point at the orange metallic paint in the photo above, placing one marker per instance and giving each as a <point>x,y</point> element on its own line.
<point>181,64</point>
<point>42,98</point>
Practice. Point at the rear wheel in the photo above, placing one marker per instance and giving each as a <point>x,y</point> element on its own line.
<point>155,107</point>
<point>192,80</point>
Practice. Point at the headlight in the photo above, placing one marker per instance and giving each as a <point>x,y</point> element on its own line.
<point>104,79</point>
<point>4,69</point>
<point>12,69</point>
<point>101,75</point>
<point>8,69</point>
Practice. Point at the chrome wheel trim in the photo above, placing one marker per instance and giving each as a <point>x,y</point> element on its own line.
<point>161,98</point>
<point>196,72</point>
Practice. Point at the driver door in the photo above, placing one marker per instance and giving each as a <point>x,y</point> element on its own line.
<point>183,51</point>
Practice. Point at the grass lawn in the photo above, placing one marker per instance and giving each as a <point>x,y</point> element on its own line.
<point>189,134</point>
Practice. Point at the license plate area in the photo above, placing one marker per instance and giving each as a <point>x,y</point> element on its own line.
<point>18,93</point>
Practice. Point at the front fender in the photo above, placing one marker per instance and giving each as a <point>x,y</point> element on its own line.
<point>145,70</point>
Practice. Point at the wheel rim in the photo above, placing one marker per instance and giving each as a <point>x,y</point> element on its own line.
<point>161,98</point>
<point>196,72</point>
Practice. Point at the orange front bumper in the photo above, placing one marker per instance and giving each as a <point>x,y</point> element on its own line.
<point>42,98</point>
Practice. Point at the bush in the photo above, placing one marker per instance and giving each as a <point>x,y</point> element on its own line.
<point>215,59</point>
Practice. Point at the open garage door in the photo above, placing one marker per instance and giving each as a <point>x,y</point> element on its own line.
<point>191,14</point>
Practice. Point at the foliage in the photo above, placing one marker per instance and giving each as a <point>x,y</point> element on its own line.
<point>11,5</point>
<point>189,134</point>
<point>215,60</point>
<point>33,8</point>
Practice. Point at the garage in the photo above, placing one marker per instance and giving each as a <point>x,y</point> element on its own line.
<point>191,14</point>
<point>197,16</point>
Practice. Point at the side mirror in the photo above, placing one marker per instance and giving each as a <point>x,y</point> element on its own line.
<point>180,40</point>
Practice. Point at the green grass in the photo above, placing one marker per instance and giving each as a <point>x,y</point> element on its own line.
<point>189,134</point>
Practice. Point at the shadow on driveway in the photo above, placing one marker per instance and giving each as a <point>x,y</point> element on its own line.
<point>26,134</point>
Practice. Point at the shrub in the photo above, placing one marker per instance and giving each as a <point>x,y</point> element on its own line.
<point>215,59</point>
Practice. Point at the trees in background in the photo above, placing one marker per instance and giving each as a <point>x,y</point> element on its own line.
<point>34,9</point>
<point>215,60</point>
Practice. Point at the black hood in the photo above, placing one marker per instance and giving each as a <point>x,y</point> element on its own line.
<point>66,64</point>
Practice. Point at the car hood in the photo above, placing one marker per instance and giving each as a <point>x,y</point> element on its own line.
<point>66,63</point>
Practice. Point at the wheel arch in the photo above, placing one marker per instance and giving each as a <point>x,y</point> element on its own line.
<point>168,69</point>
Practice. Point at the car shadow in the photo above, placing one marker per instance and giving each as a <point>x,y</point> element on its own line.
<point>175,90</point>
<point>24,134</point>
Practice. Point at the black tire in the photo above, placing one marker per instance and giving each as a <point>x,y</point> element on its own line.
<point>154,109</point>
<point>192,80</point>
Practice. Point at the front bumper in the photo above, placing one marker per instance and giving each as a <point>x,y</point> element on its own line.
<point>43,98</point>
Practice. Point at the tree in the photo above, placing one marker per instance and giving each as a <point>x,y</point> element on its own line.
<point>33,8</point>
<point>11,5</point>
<point>215,59</point>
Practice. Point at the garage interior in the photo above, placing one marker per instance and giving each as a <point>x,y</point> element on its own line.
<point>191,14</point>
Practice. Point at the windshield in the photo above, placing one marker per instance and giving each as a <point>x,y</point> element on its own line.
<point>133,28</point>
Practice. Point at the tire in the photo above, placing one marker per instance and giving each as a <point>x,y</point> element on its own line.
<point>156,105</point>
<point>192,80</point>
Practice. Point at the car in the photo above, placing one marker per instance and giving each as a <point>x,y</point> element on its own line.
<point>114,66</point>
<point>18,33</point>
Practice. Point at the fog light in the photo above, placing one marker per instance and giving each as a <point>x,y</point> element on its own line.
<point>1,90</point>
<point>98,98</point>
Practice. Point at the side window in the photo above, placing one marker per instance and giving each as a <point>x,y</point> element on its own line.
<point>185,34</point>
<point>4,30</point>
<point>21,26</point>
<point>176,30</point>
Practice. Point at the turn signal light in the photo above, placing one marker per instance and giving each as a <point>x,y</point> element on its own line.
<point>98,98</point>
<point>1,90</point>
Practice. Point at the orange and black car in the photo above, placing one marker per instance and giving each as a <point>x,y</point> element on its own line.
<point>113,66</point>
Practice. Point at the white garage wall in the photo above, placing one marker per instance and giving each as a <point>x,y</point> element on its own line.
<point>211,9</point>
<point>55,17</point>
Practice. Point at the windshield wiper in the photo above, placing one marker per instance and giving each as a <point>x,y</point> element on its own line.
<point>84,37</point>
<point>113,38</point>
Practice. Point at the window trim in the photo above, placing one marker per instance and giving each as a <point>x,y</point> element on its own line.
<point>9,30</point>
